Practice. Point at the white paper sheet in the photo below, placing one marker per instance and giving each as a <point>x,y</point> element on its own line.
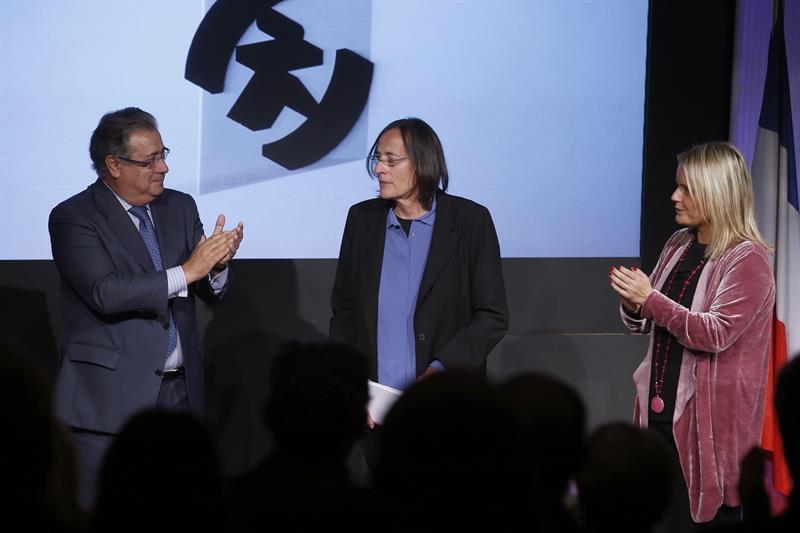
<point>381,399</point>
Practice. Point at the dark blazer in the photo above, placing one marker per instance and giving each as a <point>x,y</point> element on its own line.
<point>116,308</point>
<point>461,311</point>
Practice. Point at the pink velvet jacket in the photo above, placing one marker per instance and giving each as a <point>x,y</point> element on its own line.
<point>721,396</point>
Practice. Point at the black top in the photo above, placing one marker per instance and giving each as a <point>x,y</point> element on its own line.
<point>669,391</point>
<point>405,223</point>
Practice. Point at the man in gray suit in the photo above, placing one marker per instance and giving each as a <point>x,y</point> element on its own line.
<point>132,255</point>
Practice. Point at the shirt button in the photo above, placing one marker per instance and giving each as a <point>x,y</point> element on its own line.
<point>421,337</point>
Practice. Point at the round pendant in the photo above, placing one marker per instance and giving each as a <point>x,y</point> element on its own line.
<point>657,404</point>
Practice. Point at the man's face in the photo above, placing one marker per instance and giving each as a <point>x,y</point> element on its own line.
<point>137,184</point>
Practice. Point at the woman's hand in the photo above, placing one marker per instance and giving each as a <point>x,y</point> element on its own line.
<point>630,307</point>
<point>632,285</point>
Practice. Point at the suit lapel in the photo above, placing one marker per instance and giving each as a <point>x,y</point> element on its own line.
<point>371,257</point>
<point>121,224</point>
<point>443,243</point>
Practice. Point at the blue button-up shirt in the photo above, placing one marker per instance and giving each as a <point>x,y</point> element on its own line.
<point>404,258</point>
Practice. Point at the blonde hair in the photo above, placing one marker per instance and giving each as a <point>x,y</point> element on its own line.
<point>720,185</point>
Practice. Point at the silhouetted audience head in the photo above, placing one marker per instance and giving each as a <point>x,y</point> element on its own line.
<point>160,472</point>
<point>552,431</point>
<point>316,408</point>
<point>787,404</point>
<point>317,402</point>
<point>625,482</point>
<point>36,461</point>
<point>446,450</point>
<point>26,409</point>
<point>755,499</point>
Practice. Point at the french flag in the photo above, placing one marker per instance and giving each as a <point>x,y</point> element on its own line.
<point>778,215</point>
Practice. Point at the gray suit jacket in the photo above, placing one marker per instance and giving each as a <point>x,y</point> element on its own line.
<point>116,308</point>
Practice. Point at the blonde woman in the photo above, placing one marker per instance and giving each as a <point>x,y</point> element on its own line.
<point>707,306</point>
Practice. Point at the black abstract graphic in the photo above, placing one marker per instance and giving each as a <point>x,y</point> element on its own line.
<point>272,86</point>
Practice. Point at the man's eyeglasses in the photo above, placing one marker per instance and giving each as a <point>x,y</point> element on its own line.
<point>147,163</point>
<point>389,161</point>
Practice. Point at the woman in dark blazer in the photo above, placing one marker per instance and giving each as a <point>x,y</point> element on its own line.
<point>419,285</point>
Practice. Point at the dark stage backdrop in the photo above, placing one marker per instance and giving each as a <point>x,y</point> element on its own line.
<point>564,318</point>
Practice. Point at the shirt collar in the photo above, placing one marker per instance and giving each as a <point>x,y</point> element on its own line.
<point>125,205</point>
<point>428,218</point>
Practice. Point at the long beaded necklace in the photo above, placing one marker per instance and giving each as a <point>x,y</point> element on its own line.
<point>660,358</point>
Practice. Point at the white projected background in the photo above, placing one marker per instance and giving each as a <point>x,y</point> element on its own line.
<point>539,106</point>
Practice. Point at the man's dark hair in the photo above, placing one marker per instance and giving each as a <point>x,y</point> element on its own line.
<point>424,150</point>
<point>112,132</point>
